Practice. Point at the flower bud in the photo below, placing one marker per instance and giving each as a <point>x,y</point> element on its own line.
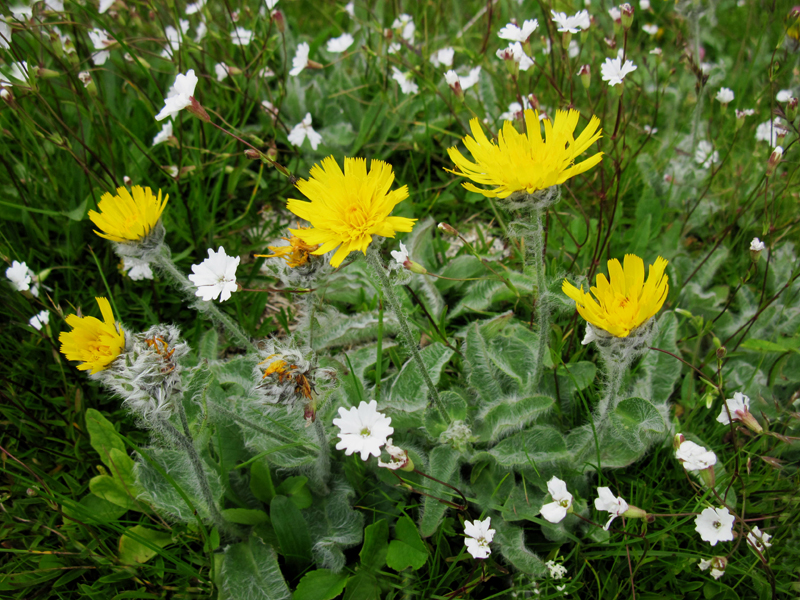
<point>627,15</point>
<point>454,81</point>
<point>88,82</point>
<point>127,180</point>
<point>721,352</point>
<point>678,440</point>
<point>791,109</point>
<point>756,248</point>
<point>252,154</point>
<point>566,38</point>
<point>47,73</point>
<point>414,267</point>
<point>585,73</point>
<point>198,111</point>
<point>448,229</point>
<point>708,477</point>
<point>280,21</point>
<point>634,512</point>
<point>774,160</point>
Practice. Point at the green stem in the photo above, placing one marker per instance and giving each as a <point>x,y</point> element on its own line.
<point>542,306</point>
<point>394,303</point>
<point>379,362</point>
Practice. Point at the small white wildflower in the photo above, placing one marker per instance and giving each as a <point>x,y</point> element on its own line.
<point>443,57</point>
<point>747,112</point>
<point>5,35</point>
<point>201,31</point>
<point>608,502</point>
<point>615,14</point>
<point>517,54</point>
<point>215,276</point>
<point>340,44</point>
<point>350,9</point>
<point>590,336</point>
<point>42,318</point>
<point>164,134</point>
<point>101,41</point>
<point>757,538</point>
<point>717,565</point>
<point>556,510</point>
<point>241,36</point>
<point>398,458</point>
<point>400,256</point>
<point>179,95</point>
<point>518,34</point>
<point>300,60</point>
<point>694,457</point>
<point>571,24</point>
<point>650,130</point>
<point>724,95</point>
<point>405,25</point>
<point>656,52</point>
<point>757,246</point>
<point>405,81</point>
<point>303,130</point>
<point>557,570</point>
<point>644,4</point>
<point>705,155</point>
<point>85,78</point>
<point>613,71</point>
<point>104,6</point>
<point>195,7</point>
<point>20,276</point>
<point>650,29</point>
<point>768,131</point>
<point>715,525</point>
<point>221,70</point>
<point>136,268</point>
<point>783,95</point>
<point>363,429</point>
<point>271,4</point>
<point>479,536</point>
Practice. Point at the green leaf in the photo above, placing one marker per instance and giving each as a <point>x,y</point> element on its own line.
<point>321,584</point>
<point>93,508</point>
<point>261,481</point>
<point>208,346</point>
<point>292,532</point>
<point>511,414</point>
<point>767,346</point>
<point>110,489</point>
<point>444,467</point>
<point>581,374</point>
<point>376,545</point>
<point>636,422</point>
<point>244,516</point>
<point>408,392</point>
<point>250,572</point>
<point>540,443</point>
<point>407,549</point>
<point>121,468</point>
<point>139,544</point>
<point>296,490</point>
<point>363,586</point>
<point>103,436</point>
<point>455,409</point>
<point>510,540</point>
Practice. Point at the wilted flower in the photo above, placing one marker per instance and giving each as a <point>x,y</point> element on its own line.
<point>398,458</point>
<point>400,256</point>
<point>296,254</point>
<point>514,53</point>
<point>556,510</point>
<point>215,276</point>
<point>757,245</point>
<point>405,81</point>
<point>363,429</point>
<point>179,96</point>
<point>614,71</point>
<point>717,565</point>
<point>340,44</point>
<point>101,42</point>
<point>303,130</point>
<point>479,536</point>
<point>715,525</point>
<point>606,501</point>
<point>518,34</point>
<point>94,342</point>
<point>770,131</point>
<point>128,216</point>
<point>42,318</point>
<point>458,83</point>
<point>348,208</point>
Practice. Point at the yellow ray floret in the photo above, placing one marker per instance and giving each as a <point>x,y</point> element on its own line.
<point>94,342</point>
<point>527,162</point>
<point>128,216</point>
<point>627,300</point>
<point>348,208</point>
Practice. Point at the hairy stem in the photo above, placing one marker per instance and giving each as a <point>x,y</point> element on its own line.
<point>542,304</point>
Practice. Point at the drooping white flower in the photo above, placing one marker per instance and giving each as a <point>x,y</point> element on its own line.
<point>747,112</point>
<point>717,565</point>
<point>783,95</point>
<point>42,318</point>
<point>179,95</point>
<point>443,57</point>
<point>195,7</point>
<point>735,409</point>
<point>571,24</point>
<point>164,134</point>
<point>759,539</point>
<point>557,570</point>
<point>241,36</point>
<point>398,457</point>
<point>724,95</point>
<point>215,276</point>
<point>221,71</point>
<point>705,155</point>
<point>650,29</point>
<point>303,130</point>
<point>400,256</point>
<point>405,25</point>
<point>405,81</point>
<point>518,34</point>
<point>556,510</point>
<point>614,71</point>
<point>517,54</point>
<point>606,501</point>
<point>363,429</point>
<point>715,525</point>
<point>756,246</point>
<point>20,276</point>
<point>85,78</point>
<point>5,35</point>
<point>340,44</point>
<point>694,457</point>
<point>300,60</point>
<point>479,536</point>
<point>101,41</point>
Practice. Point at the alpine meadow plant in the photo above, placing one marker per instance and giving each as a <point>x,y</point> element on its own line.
<point>400,300</point>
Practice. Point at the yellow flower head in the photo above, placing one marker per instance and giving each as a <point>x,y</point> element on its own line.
<point>627,301</point>
<point>295,254</point>
<point>126,217</point>
<point>526,162</point>
<point>347,209</point>
<point>97,343</point>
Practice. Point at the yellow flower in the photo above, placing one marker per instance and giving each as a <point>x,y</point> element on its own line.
<point>295,254</point>
<point>520,162</point>
<point>627,301</point>
<point>126,217</point>
<point>347,209</point>
<point>97,343</point>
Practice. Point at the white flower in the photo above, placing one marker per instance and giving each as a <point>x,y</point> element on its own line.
<point>18,71</point>
<point>43,318</point>
<point>350,9</point>
<point>451,77</point>
<point>340,44</point>
<point>747,112</point>
<point>5,35</point>
<point>574,48</point>
<point>405,81</point>
<point>471,79</point>
<point>271,4</point>
<point>724,95</point>
<point>644,4</point>
<point>20,276</point>
<point>400,256</point>
<point>303,130</point>
<point>172,170</point>
<point>606,501</point>
<point>215,276</point>
<point>100,41</point>
<point>574,24</point>
<point>756,246</point>
<point>705,155</point>
<point>734,409</point>
<point>514,110</point>
<point>104,6</point>
<point>783,95</point>
<point>443,57</point>
<point>405,24</point>
<point>615,14</point>
<point>590,336</point>
<point>241,36</point>
<point>399,457</point>
<point>613,71</point>
<point>517,54</point>
<point>202,29</point>
<point>195,7</point>
<point>516,34</point>
<point>479,536</point>
<point>695,457</point>
<point>717,565</point>
<point>179,95</point>
<point>164,134</point>
<point>656,52</point>
<point>174,38</point>
<point>650,29</point>
<point>650,130</point>
<point>715,525</point>
<point>136,268</point>
<point>363,429</point>
<point>768,131</point>
<point>556,510</point>
<point>300,60</point>
<point>557,570</point>
<point>757,538</point>
<point>86,78</point>
<point>221,70</point>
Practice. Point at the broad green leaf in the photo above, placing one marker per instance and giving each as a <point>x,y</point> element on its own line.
<point>102,435</point>
<point>581,374</point>
<point>444,467</point>
<point>208,346</point>
<point>261,481</point>
<point>540,443</point>
<point>523,503</point>
<point>296,490</point>
<point>93,508</point>
<point>139,544</point>
<point>376,545</point>
<point>334,525</point>
<point>510,540</point>
<point>362,586</point>
<point>321,584</point>
<point>409,392</point>
<point>292,532</point>
<point>407,549</point>
<point>767,346</point>
<point>244,516</point>
<point>250,572</point>
<point>121,468</point>
<point>112,490</point>
<point>635,421</point>
<point>454,408</point>
<point>510,414</point>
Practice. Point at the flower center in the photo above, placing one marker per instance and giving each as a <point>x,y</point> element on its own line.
<point>365,433</point>
<point>717,524</point>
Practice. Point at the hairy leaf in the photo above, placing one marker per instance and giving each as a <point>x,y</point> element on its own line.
<point>250,572</point>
